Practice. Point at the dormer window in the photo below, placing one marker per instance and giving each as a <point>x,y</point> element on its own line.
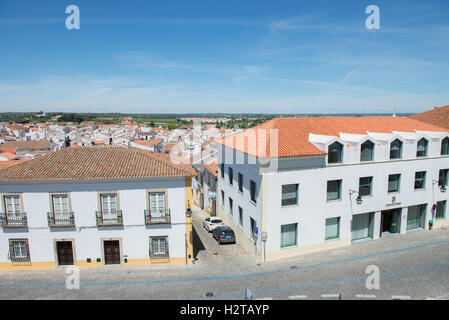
<point>367,151</point>
<point>396,149</point>
<point>335,153</point>
<point>421,150</point>
<point>445,146</point>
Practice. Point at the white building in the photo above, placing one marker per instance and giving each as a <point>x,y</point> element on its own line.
<point>204,186</point>
<point>93,206</point>
<point>311,184</point>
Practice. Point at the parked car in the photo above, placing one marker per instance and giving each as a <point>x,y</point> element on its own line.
<point>224,234</point>
<point>211,223</point>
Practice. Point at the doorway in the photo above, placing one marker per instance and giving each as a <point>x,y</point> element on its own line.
<point>64,252</point>
<point>111,252</point>
<point>390,223</point>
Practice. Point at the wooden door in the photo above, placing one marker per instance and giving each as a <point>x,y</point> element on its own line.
<point>111,252</point>
<point>65,253</point>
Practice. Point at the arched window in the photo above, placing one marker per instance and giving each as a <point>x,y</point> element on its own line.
<point>335,153</point>
<point>421,150</point>
<point>445,146</point>
<point>396,149</point>
<point>367,151</point>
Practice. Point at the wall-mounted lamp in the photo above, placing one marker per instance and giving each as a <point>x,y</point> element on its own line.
<point>442,188</point>
<point>358,200</point>
<point>188,211</point>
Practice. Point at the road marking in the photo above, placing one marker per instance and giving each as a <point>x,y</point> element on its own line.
<point>297,297</point>
<point>366,296</point>
<point>264,299</point>
<point>330,295</point>
<point>401,298</point>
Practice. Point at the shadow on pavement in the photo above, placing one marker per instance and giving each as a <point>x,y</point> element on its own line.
<point>197,243</point>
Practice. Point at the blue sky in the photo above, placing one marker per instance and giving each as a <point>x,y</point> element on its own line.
<point>224,56</point>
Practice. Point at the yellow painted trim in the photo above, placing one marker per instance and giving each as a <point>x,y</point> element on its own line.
<point>9,266</point>
<point>85,264</point>
<point>142,262</point>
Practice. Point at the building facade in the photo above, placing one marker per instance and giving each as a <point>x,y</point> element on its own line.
<point>95,206</point>
<point>335,181</point>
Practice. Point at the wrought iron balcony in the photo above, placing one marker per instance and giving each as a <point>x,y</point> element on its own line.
<point>109,218</point>
<point>157,217</point>
<point>66,219</point>
<point>18,220</point>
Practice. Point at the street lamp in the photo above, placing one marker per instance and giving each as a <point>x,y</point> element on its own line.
<point>358,200</point>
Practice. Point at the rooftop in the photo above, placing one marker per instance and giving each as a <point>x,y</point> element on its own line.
<point>437,116</point>
<point>293,133</point>
<point>95,163</point>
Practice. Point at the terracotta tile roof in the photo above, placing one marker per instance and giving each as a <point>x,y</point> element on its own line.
<point>34,144</point>
<point>94,163</point>
<point>212,167</point>
<point>293,133</point>
<point>437,116</point>
<point>9,155</point>
<point>7,149</point>
<point>10,163</point>
<point>148,143</point>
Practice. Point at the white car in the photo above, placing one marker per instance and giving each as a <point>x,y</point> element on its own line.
<point>211,223</point>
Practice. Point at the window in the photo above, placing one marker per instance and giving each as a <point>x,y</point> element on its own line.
<point>442,180</point>
<point>13,209</point>
<point>416,216</point>
<point>394,181</point>
<point>240,182</point>
<point>253,190</point>
<point>332,228</point>
<point>335,153</point>
<point>288,235</point>
<point>240,216</point>
<point>157,206</point>
<point>420,180</point>
<point>421,150</point>
<point>19,250</point>
<point>396,149</point>
<point>333,190</point>
<point>445,146</point>
<point>253,229</point>
<point>60,206</point>
<point>365,186</point>
<point>109,203</point>
<point>231,175</point>
<point>289,195</point>
<point>367,151</point>
<point>222,170</point>
<point>231,206</point>
<point>159,247</point>
<point>109,212</point>
<point>441,210</point>
<point>222,198</point>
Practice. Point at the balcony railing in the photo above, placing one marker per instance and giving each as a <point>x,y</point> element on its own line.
<point>18,220</point>
<point>157,217</point>
<point>60,219</point>
<point>109,218</point>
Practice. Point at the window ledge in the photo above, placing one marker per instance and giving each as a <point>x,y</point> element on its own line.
<point>290,206</point>
<point>332,201</point>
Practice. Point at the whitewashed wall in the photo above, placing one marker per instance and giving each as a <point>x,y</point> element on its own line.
<point>84,199</point>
